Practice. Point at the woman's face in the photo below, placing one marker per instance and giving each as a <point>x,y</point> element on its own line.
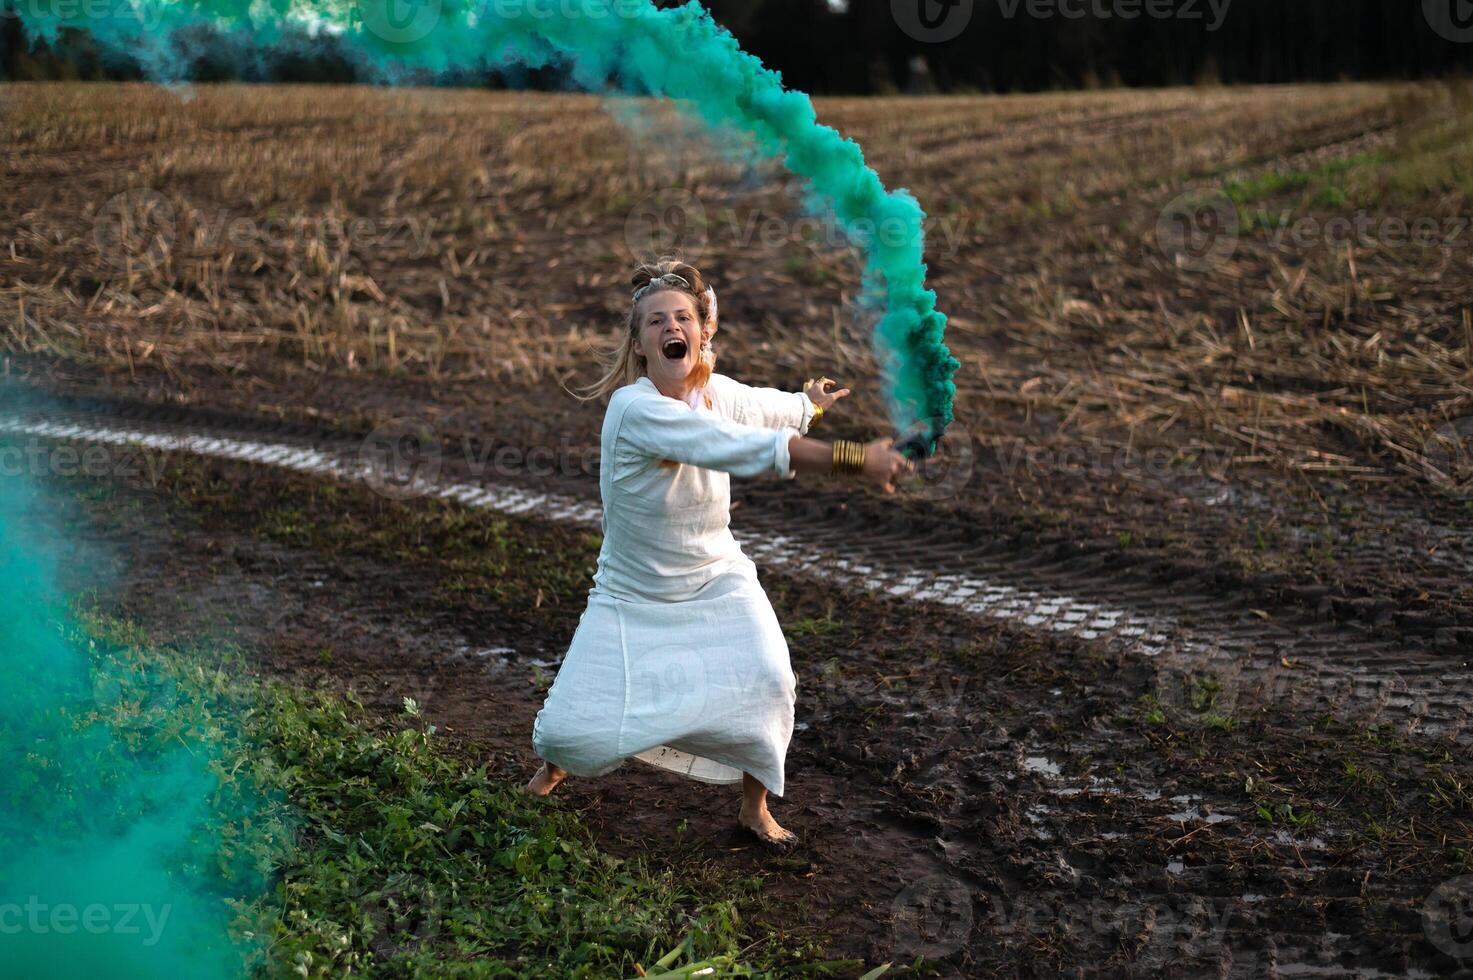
<point>670,336</point>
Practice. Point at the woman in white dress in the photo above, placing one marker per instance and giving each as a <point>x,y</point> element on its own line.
<point>678,659</point>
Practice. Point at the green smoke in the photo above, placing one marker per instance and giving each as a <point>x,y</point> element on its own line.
<point>122,838</point>
<point>680,53</point>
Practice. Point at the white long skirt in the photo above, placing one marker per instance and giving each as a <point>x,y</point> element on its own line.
<point>701,687</point>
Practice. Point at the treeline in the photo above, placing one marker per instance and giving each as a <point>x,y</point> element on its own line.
<point>1018,45</point>
<point>876,46</point>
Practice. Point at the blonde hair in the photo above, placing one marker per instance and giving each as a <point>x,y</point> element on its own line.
<point>622,364</point>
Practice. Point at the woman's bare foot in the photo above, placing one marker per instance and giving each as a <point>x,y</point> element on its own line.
<point>545,780</point>
<point>767,829</point>
<point>754,817</point>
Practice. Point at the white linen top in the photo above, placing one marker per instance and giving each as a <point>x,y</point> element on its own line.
<point>666,530</point>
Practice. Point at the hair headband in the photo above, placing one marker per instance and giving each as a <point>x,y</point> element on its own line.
<point>671,279</point>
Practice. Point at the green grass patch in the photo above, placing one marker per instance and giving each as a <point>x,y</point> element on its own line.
<point>387,856</point>
<point>1331,186</point>
<point>811,626</point>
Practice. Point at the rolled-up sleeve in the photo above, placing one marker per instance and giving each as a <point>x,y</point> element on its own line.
<point>770,408</point>
<point>662,428</point>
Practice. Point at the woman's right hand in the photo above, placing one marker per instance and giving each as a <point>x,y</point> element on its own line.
<point>883,463</point>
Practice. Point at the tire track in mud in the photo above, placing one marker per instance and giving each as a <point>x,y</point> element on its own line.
<point>1209,656</point>
<point>955,889</point>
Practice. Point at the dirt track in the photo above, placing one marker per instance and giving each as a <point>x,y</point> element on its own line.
<point>988,790</point>
<point>1075,712</point>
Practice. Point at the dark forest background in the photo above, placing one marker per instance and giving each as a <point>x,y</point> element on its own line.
<point>859,47</point>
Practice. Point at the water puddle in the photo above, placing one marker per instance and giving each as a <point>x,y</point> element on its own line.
<point>1041,764</point>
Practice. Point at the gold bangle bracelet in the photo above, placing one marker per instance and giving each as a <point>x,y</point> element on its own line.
<point>817,414</point>
<point>848,457</point>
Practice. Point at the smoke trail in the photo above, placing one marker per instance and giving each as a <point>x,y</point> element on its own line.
<point>680,53</point>
<point>119,843</point>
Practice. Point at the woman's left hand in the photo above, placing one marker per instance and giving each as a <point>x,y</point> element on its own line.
<point>818,393</point>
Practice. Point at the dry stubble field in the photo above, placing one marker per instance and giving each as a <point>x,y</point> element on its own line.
<point>1255,441</point>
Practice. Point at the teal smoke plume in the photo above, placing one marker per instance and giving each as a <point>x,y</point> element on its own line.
<point>119,844</point>
<point>678,53</point>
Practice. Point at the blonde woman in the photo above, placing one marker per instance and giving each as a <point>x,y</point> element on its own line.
<point>678,659</point>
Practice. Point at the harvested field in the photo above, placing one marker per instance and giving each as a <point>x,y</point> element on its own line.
<point>1165,666</point>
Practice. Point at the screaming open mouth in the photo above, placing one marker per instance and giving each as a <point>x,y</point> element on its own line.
<point>675,350</point>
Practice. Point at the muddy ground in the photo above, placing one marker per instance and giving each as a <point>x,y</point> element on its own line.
<point>996,798</point>
<point>1283,791</point>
